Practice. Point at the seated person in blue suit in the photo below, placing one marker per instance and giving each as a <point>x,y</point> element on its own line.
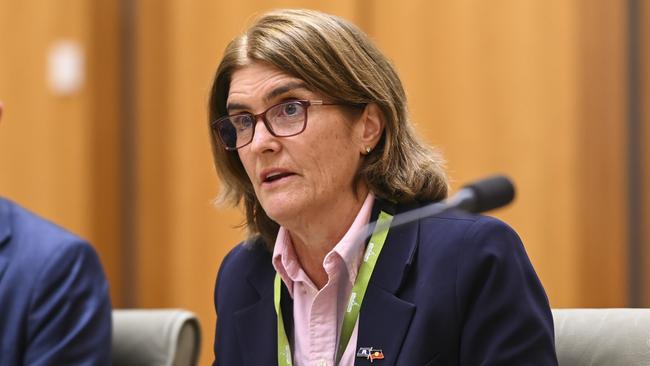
<point>310,131</point>
<point>54,303</point>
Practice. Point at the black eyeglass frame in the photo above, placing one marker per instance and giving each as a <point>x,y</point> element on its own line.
<point>214,126</point>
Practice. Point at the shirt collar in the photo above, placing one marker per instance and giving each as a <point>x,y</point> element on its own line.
<point>349,248</point>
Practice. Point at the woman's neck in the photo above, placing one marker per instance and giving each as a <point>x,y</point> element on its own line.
<point>316,235</point>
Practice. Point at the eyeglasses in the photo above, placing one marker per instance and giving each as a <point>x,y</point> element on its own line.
<point>282,120</point>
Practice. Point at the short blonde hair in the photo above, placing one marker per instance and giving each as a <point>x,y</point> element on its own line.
<point>337,59</point>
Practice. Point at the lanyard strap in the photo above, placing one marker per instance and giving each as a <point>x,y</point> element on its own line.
<point>351,315</point>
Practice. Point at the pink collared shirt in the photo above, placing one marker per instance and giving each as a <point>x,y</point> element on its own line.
<point>318,314</point>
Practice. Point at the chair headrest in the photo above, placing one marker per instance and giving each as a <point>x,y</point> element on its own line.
<point>155,337</point>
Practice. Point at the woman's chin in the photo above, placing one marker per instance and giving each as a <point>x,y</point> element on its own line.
<point>285,211</point>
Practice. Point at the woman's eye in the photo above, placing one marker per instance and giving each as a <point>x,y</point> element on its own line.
<point>290,109</point>
<point>244,122</point>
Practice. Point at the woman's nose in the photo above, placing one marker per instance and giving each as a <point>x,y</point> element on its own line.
<point>263,139</point>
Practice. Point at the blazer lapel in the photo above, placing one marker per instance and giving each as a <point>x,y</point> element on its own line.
<point>385,318</point>
<point>5,233</point>
<point>257,324</point>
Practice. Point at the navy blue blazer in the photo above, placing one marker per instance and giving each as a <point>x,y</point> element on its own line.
<point>453,289</point>
<point>54,302</point>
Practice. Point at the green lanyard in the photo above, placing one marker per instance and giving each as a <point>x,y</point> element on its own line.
<point>356,297</point>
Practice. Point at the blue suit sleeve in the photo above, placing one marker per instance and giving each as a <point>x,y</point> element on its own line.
<point>70,311</point>
<point>505,311</point>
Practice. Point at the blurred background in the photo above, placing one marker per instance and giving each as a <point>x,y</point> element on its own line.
<point>105,129</point>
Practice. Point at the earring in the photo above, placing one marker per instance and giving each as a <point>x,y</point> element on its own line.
<point>368,150</point>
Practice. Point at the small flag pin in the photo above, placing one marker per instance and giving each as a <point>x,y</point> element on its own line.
<point>370,353</point>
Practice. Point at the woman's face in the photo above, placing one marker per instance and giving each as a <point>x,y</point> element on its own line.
<point>296,176</point>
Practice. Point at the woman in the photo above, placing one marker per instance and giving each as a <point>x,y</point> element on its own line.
<point>310,130</point>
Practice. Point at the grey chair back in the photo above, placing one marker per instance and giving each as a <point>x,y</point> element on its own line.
<point>155,337</point>
<point>602,337</point>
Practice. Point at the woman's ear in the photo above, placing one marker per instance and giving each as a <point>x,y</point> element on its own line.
<point>372,126</point>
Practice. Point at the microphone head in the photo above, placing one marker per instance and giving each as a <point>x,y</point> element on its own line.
<point>490,193</point>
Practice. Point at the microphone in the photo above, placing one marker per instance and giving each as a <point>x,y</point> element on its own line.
<point>483,195</point>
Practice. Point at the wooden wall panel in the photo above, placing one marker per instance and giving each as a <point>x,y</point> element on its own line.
<point>58,150</point>
<point>496,87</point>
<point>152,190</point>
<point>105,144</point>
<point>601,142</point>
<point>44,136</point>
